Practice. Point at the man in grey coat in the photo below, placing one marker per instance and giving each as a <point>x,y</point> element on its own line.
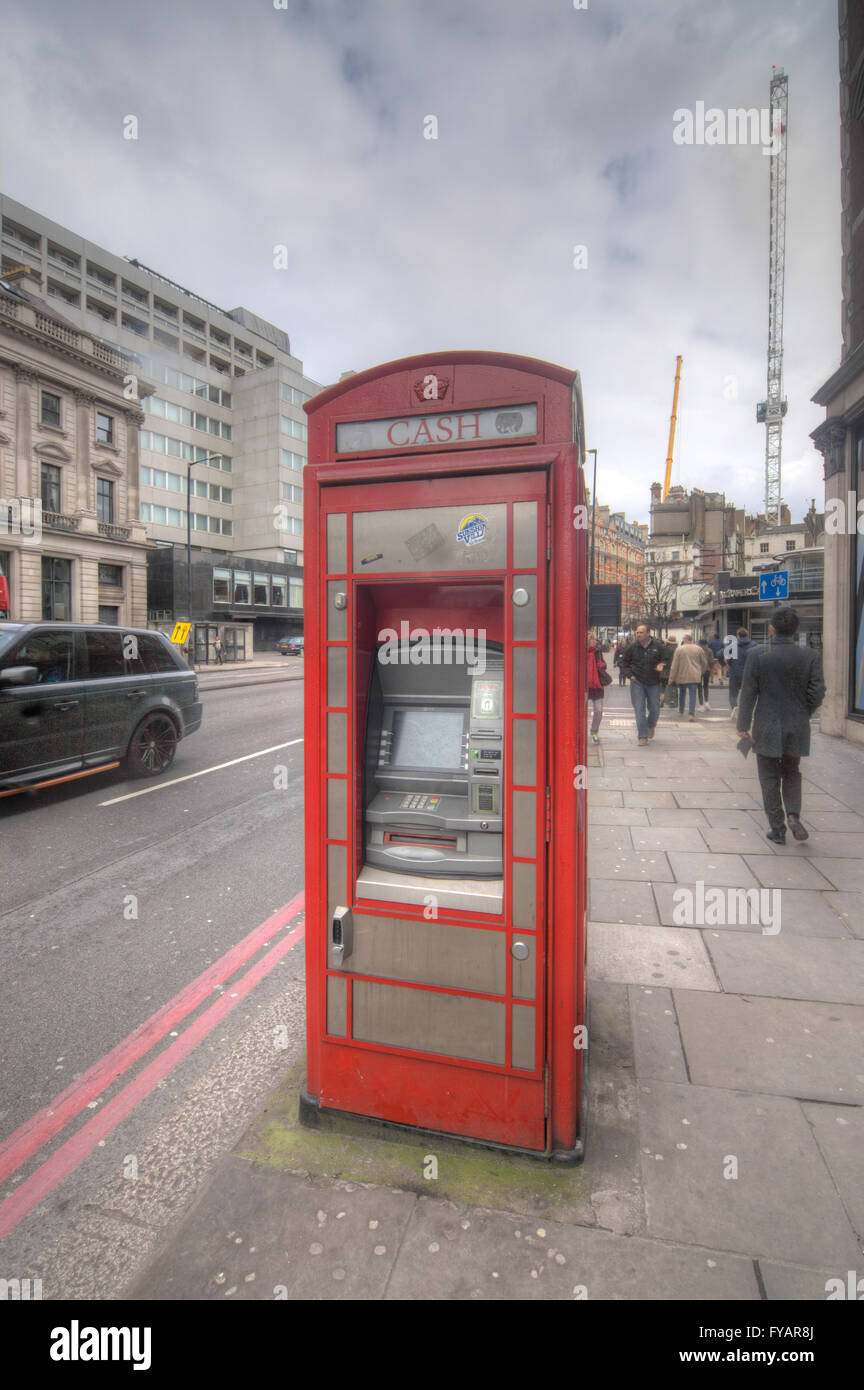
<point>784,684</point>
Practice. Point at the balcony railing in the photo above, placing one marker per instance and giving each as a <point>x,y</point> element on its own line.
<point>60,521</point>
<point>114,530</point>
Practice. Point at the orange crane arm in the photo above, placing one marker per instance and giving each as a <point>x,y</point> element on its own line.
<point>668,479</point>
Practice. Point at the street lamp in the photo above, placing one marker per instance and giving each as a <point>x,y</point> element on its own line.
<point>593,505</point>
<point>189,466</point>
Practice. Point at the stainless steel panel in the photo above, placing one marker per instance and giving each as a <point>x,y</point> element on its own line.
<point>427,538</point>
<point>524,824</point>
<point>337,675</point>
<point>449,1024</point>
<point>524,913</point>
<point>522,1050</point>
<point>337,747</point>
<point>337,1005</point>
<point>337,867</point>
<point>337,809</point>
<point>337,618</point>
<point>524,680</point>
<point>525,752</point>
<point>524,971</point>
<point>430,953</point>
<point>525,615</point>
<point>481,895</point>
<point>337,548</point>
<point>524,535</point>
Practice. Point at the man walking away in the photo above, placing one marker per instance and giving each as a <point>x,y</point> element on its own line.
<point>742,649</point>
<point>687,670</point>
<point>620,648</point>
<point>643,662</point>
<point>783,683</point>
<point>706,678</point>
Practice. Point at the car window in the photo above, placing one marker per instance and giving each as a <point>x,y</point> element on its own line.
<point>105,655</point>
<point>155,655</point>
<point>8,635</point>
<point>52,653</point>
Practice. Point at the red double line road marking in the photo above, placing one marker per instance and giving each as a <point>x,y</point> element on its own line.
<point>35,1132</point>
<point>75,1150</point>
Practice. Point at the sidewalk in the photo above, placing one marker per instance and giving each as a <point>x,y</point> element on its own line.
<point>725,1148</point>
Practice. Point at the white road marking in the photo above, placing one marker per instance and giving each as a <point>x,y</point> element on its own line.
<point>160,786</point>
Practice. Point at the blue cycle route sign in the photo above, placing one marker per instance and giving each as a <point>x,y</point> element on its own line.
<point>775,585</point>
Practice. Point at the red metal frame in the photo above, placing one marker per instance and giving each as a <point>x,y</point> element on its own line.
<point>538,1110</point>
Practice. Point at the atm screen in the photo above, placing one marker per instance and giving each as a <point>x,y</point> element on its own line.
<point>427,738</point>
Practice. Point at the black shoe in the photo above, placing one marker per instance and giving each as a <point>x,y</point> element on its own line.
<point>777,834</point>
<point>797,828</point>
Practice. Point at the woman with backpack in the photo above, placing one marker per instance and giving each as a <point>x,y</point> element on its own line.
<point>597,678</point>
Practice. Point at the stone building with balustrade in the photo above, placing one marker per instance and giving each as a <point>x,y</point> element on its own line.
<point>72,544</point>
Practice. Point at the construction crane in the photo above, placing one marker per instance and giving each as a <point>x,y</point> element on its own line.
<point>770,412</point>
<point>667,480</point>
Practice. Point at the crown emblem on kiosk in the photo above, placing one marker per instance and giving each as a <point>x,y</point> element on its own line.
<point>431,387</point>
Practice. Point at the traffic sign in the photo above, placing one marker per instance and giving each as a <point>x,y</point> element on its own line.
<point>775,585</point>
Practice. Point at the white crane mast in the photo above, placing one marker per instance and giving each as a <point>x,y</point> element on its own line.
<point>770,412</point>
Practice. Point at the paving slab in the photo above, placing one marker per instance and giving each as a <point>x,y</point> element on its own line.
<point>784,1047</point>
<point>625,901</point>
<point>616,815</point>
<point>670,782</point>
<point>717,801</point>
<point>649,955</point>
<point>611,837</point>
<point>604,798</point>
<point>673,815</point>
<point>829,821</point>
<point>741,839</point>
<point>719,869</point>
<point>781,1206</point>
<point>463,1253</point>
<point>615,866</point>
<point>788,967</point>
<point>657,1040</point>
<point>666,837</point>
<point>839,1132</point>
<point>740,819</point>
<point>849,908</point>
<point>833,845</point>
<point>821,801</point>
<point>256,1233</point>
<point>649,799</point>
<point>790,1283</point>
<point>608,781</point>
<point>670,902</point>
<point>778,871</point>
<point>842,874</point>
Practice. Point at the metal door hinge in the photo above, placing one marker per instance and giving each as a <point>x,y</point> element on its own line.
<point>548,814</point>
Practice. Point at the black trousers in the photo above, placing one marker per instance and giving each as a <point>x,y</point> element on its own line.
<point>778,775</point>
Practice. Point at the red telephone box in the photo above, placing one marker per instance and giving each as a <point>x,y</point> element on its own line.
<point>445,731</point>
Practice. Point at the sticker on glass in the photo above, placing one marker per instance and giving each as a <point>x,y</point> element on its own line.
<point>472,529</point>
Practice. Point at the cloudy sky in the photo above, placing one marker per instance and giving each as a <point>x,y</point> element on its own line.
<point>303,123</point>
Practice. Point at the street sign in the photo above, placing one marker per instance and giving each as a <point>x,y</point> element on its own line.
<point>180,633</point>
<point>774,585</point>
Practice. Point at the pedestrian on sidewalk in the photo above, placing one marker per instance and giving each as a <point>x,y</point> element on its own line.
<point>643,662</point>
<point>597,678</point>
<point>783,684</point>
<point>620,648</point>
<point>705,683</point>
<point>669,691</point>
<point>218,648</point>
<point>744,645</point>
<point>687,671</point>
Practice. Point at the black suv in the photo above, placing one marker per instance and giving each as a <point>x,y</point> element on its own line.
<point>78,697</point>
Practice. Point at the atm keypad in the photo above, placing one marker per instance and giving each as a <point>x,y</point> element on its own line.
<point>419,802</point>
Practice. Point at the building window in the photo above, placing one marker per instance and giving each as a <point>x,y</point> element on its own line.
<point>111,576</point>
<point>277,588</point>
<point>763,547</point>
<point>790,545</point>
<point>104,428</point>
<point>221,586</point>
<point>104,500</point>
<point>260,590</point>
<point>51,410</point>
<point>109,613</point>
<point>241,586</point>
<point>50,488</point>
<point>295,593</point>
<point>56,589</point>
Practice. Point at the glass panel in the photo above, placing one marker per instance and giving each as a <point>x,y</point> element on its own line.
<point>523,1037</point>
<point>337,809</point>
<point>525,824</point>
<point>336,675</point>
<point>337,618</point>
<point>524,535</point>
<point>431,538</point>
<point>337,1005</point>
<point>524,912</point>
<point>524,680</point>
<point>434,953</point>
<point>337,553</point>
<point>524,972</point>
<point>449,1024</point>
<point>524,752</point>
<point>336,878</point>
<point>525,617</point>
<point>337,753</point>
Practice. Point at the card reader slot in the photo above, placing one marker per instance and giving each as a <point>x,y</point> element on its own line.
<point>405,837</point>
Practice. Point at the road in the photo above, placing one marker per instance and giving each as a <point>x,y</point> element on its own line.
<point>116,896</point>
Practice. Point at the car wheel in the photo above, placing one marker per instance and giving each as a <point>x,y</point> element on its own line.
<point>152,746</point>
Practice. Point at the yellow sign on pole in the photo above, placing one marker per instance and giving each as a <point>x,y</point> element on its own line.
<point>180,633</point>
